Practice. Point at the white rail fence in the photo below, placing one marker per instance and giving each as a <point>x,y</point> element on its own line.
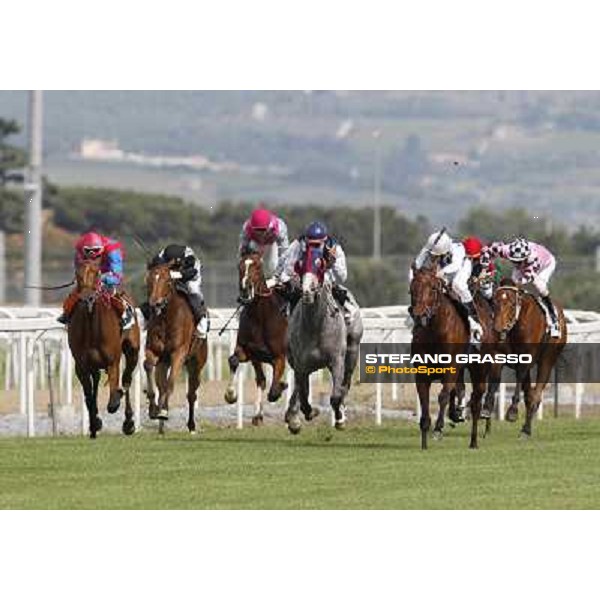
<point>28,336</point>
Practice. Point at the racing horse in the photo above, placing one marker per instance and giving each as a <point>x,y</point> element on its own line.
<point>97,343</point>
<point>262,333</point>
<point>522,326</point>
<point>440,326</point>
<point>318,338</point>
<point>171,343</point>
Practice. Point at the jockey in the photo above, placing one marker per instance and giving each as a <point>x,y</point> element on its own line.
<point>336,272</point>
<point>455,267</point>
<point>186,268</point>
<point>533,263</point>
<point>267,234</point>
<point>91,246</point>
<point>484,275</point>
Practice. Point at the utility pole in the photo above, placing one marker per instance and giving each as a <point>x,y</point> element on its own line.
<point>33,202</point>
<point>2,267</point>
<point>377,197</point>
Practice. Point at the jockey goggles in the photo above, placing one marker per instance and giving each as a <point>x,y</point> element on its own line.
<point>92,251</point>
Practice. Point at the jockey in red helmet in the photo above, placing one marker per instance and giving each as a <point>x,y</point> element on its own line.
<point>267,234</point>
<point>91,246</point>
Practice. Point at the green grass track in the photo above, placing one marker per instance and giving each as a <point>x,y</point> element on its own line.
<point>364,467</point>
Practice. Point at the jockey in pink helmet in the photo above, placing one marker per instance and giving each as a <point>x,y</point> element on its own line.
<point>94,246</point>
<point>532,263</point>
<point>267,234</point>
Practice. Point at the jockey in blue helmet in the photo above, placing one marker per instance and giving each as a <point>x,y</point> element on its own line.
<point>336,272</point>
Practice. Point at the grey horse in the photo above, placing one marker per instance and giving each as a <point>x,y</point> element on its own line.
<point>318,338</point>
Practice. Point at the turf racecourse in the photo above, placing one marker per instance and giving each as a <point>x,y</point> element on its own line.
<point>364,467</point>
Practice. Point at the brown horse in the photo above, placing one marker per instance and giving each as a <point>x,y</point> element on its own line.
<point>440,328</point>
<point>262,333</point>
<point>97,343</point>
<point>171,342</point>
<point>522,325</point>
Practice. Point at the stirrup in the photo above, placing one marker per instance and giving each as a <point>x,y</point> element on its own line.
<point>63,319</point>
<point>555,330</point>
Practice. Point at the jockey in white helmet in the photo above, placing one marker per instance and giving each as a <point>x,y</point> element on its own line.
<point>533,263</point>
<point>454,267</point>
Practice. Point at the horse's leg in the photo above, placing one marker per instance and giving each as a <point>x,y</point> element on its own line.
<point>131,353</point>
<point>338,392</point>
<point>455,408</point>
<point>479,383</point>
<point>299,400</point>
<point>149,365</point>
<point>95,385</point>
<point>162,371</point>
<point>352,351</point>
<point>425,421</point>
<point>533,395</point>
<point>512,413</point>
<point>261,384</point>
<point>238,356</point>
<point>85,378</point>
<point>490,396</point>
<point>177,360</point>
<point>278,386</point>
<point>116,393</point>
<point>193,370</point>
<point>443,399</point>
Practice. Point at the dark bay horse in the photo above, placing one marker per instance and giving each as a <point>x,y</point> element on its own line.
<point>262,333</point>
<point>319,338</point>
<point>97,343</point>
<point>171,343</point>
<point>440,328</point>
<point>522,325</point>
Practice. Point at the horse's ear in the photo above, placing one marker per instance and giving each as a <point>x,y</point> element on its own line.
<point>506,281</point>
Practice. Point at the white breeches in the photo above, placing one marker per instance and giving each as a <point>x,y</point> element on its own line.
<point>270,260</point>
<point>459,281</point>
<point>541,280</point>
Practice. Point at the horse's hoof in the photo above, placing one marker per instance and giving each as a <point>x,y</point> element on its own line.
<point>128,427</point>
<point>452,424</point>
<point>163,414</point>
<point>274,396</point>
<point>294,425</point>
<point>438,434</point>
<point>193,432</point>
<point>313,414</point>
<point>257,420</point>
<point>524,436</point>
<point>115,402</point>
<point>512,414</point>
<point>98,424</point>
<point>230,396</point>
<point>340,425</point>
<point>485,414</point>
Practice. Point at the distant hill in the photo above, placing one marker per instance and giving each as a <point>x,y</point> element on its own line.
<point>441,152</point>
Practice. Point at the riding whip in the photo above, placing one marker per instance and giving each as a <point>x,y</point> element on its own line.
<point>237,310</point>
<point>50,287</point>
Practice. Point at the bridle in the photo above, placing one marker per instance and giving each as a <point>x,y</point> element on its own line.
<point>249,285</point>
<point>161,304</point>
<point>436,290</point>
<point>517,305</point>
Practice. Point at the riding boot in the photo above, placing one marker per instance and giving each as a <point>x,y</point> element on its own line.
<point>474,323</point>
<point>200,315</point>
<point>68,306</point>
<point>554,328</point>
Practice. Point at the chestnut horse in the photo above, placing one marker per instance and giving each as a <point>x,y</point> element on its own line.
<point>171,343</point>
<point>97,343</point>
<point>440,328</point>
<point>522,325</point>
<point>262,333</point>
